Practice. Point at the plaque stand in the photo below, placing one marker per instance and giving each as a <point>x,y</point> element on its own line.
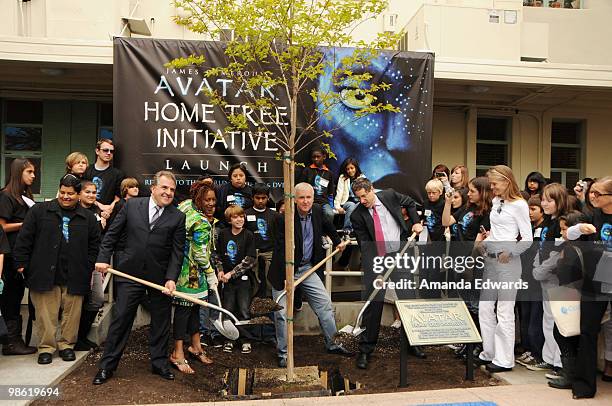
<point>404,343</point>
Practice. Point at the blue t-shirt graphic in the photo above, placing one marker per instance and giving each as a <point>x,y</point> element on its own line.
<point>262,227</point>
<point>232,251</point>
<point>65,228</point>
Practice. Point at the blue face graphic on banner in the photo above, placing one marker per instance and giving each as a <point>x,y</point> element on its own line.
<point>375,140</point>
<point>232,251</point>
<point>99,185</point>
<point>606,235</point>
<point>262,227</point>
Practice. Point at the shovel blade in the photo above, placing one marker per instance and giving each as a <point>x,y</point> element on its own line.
<point>358,330</point>
<point>347,329</point>
<point>227,329</point>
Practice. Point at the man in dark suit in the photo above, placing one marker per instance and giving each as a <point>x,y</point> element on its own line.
<point>310,226</point>
<point>379,227</point>
<point>154,251</point>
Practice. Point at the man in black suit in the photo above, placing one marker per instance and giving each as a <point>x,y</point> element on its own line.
<point>379,227</point>
<point>154,251</point>
<point>310,226</point>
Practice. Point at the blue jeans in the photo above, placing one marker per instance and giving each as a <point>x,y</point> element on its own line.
<point>328,212</point>
<point>349,208</point>
<point>319,301</point>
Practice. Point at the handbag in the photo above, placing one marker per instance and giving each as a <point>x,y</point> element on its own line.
<point>565,305</point>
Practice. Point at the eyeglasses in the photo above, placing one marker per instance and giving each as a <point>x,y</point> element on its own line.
<point>597,194</point>
<point>501,205</point>
<point>108,150</point>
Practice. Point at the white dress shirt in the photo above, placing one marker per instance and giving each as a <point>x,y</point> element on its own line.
<point>152,206</point>
<point>391,230</point>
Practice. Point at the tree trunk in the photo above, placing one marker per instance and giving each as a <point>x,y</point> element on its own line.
<point>288,174</point>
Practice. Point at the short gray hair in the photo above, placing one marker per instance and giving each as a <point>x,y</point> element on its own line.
<point>303,187</point>
<point>165,174</point>
<point>361,183</point>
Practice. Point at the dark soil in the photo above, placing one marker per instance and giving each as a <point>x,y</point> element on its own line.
<point>133,382</point>
<point>261,306</point>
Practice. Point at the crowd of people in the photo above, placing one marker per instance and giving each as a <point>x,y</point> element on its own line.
<point>225,244</point>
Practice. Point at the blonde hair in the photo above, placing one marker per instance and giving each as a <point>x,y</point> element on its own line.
<point>73,159</point>
<point>232,211</point>
<point>434,185</point>
<point>502,172</point>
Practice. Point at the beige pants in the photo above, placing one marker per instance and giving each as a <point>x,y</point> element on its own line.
<point>47,305</point>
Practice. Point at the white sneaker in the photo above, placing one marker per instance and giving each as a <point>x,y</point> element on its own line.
<point>396,324</point>
<point>539,366</point>
<point>528,360</point>
<point>554,374</point>
<point>523,356</point>
<point>246,348</point>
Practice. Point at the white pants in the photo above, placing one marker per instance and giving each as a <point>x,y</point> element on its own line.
<point>498,332</point>
<point>551,353</point>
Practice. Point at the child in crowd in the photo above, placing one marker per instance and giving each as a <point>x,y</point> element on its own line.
<point>432,220</point>
<point>321,179</point>
<point>345,200</point>
<point>235,192</point>
<point>236,258</point>
<point>94,301</point>
<point>260,220</point>
<point>530,303</point>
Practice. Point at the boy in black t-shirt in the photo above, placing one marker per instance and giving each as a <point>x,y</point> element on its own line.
<point>321,179</point>
<point>235,259</point>
<point>260,220</point>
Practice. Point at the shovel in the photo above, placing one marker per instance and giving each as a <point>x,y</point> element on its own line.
<point>355,331</point>
<point>225,327</point>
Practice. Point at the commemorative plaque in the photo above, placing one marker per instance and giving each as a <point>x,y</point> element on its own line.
<point>435,322</point>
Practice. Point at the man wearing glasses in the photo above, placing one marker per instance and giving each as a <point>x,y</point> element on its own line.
<point>106,177</point>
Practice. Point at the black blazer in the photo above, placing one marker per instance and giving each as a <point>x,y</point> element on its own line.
<point>320,226</point>
<point>38,247</point>
<point>155,255</point>
<point>363,224</point>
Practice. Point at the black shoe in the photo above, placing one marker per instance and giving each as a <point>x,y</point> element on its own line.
<point>164,373</point>
<point>362,360</point>
<point>340,350</point>
<point>561,383</point>
<point>67,354</point>
<point>102,376</point>
<point>496,368</point>
<point>479,361</point>
<point>417,352</point>
<point>282,362</point>
<point>45,358</point>
<point>298,307</point>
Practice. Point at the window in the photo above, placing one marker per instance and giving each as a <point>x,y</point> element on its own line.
<point>566,152</point>
<point>492,143</point>
<point>22,132</point>
<point>105,120</point>
<point>552,3</point>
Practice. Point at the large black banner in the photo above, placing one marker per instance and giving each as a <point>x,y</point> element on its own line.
<point>163,120</point>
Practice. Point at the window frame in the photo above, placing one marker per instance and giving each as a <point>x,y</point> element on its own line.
<point>507,142</point>
<point>579,146</point>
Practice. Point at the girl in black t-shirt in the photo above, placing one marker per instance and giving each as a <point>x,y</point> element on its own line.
<point>235,192</point>
<point>15,200</point>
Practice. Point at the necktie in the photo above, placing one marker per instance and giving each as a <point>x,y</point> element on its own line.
<point>378,233</point>
<point>155,217</point>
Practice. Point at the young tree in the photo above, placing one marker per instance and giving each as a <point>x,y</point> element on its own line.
<point>284,42</point>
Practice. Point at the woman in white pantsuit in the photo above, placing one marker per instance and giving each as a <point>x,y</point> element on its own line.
<point>509,223</point>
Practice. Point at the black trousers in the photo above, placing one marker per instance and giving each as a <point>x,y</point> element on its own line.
<point>591,312</point>
<point>237,300</point>
<point>186,322</point>
<point>532,335</point>
<point>14,287</point>
<point>373,313</point>
<point>128,296</point>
